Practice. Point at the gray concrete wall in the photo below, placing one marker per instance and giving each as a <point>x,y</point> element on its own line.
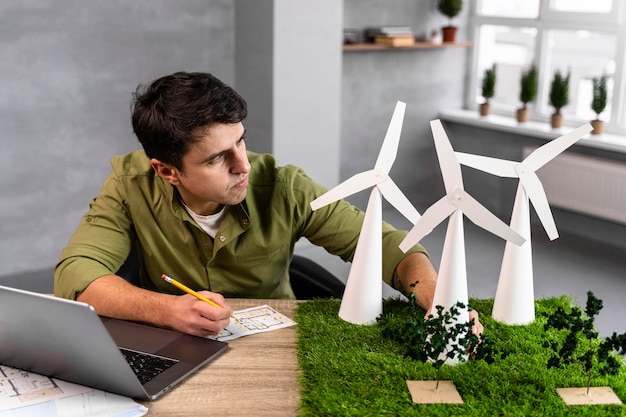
<point>67,71</point>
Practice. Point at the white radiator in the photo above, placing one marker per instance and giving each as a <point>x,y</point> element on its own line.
<point>585,184</point>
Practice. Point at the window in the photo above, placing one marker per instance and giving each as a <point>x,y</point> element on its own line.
<point>577,37</point>
<point>582,6</point>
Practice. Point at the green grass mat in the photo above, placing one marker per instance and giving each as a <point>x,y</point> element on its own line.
<point>350,370</point>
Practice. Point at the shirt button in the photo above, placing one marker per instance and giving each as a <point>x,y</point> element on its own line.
<point>222,238</point>
<point>245,221</point>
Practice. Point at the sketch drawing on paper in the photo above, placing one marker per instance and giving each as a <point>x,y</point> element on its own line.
<point>253,320</point>
<point>25,386</point>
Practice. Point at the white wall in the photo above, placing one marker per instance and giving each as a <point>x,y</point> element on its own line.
<point>289,67</point>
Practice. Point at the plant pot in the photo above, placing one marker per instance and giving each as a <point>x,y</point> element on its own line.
<point>556,121</point>
<point>522,115</point>
<point>485,109</point>
<point>448,33</point>
<point>598,127</point>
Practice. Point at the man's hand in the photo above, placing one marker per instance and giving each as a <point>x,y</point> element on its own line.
<point>112,296</point>
<point>193,316</point>
<point>416,274</point>
<point>477,328</point>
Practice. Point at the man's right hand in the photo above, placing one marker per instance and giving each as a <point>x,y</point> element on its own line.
<point>113,296</point>
<point>196,317</point>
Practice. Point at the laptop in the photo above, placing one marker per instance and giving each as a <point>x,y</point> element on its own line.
<point>67,340</point>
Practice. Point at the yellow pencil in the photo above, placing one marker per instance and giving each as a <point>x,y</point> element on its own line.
<point>190,291</point>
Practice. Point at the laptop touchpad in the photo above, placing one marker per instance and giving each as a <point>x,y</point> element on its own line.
<point>138,336</point>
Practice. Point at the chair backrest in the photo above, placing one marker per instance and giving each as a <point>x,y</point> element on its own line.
<point>308,278</point>
<point>130,268</point>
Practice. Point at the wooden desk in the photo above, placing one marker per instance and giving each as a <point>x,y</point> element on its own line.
<point>256,376</point>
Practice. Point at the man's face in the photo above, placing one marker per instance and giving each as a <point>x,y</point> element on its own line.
<point>214,170</point>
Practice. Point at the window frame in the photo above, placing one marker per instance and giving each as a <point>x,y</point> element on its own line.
<point>609,23</point>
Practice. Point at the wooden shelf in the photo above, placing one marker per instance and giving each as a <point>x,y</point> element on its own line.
<point>363,47</point>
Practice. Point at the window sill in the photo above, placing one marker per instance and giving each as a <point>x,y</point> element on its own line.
<point>606,141</point>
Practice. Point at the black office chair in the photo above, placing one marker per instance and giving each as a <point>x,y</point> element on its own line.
<point>130,268</point>
<point>308,278</point>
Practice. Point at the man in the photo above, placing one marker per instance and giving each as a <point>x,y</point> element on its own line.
<point>212,215</point>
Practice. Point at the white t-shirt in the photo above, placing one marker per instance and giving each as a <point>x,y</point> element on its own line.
<point>210,223</point>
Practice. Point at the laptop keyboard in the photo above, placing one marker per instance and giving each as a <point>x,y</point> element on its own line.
<point>146,366</point>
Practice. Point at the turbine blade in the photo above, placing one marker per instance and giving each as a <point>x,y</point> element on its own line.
<point>350,186</point>
<point>545,153</point>
<point>394,195</point>
<point>483,218</point>
<point>495,166</point>
<point>431,218</point>
<point>389,149</point>
<point>450,167</point>
<point>537,195</point>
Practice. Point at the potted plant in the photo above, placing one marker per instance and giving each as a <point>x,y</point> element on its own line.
<point>582,347</point>
<point>449,8</point>
<point>488,89</point>
<point>598,104</point>
<point>528,92</point>
<point>559,97</point>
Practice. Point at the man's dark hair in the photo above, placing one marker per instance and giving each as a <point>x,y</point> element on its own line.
<point>173,112</point>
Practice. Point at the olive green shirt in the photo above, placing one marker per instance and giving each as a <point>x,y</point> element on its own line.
<point>251,252</point>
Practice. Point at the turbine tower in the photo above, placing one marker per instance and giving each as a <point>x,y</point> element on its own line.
<point>452,276</point>
<point>515,298</point>
<point>362,299</point>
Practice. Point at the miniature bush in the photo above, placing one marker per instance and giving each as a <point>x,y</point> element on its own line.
<point>581,344</point>
<point>437,339</point>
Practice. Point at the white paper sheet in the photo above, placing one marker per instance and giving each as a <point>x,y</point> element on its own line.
<point>253,320</point>
<point>27,394</point>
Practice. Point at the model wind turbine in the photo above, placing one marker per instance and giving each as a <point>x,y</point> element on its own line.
<point>452,277</point>
<point>362,298</point>
<point>515,299</point>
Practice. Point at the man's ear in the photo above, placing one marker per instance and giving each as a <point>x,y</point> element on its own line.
<point>165,171</point>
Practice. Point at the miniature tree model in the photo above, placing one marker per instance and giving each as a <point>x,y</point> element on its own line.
<point>488,89</point>
<point>559,97</point>
<point>593,354</point>
<point>598,104</point>
<point>437,339</point>
<point>528,92</point>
